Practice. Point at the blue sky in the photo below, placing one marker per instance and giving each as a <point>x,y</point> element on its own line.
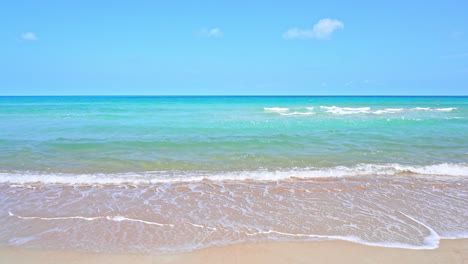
<point>236,47</point>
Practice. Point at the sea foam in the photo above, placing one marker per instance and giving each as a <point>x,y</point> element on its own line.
<point>150,177</point>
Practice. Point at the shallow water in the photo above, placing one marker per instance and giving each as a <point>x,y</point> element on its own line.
<point>138,134</point>
<point>399,211</point>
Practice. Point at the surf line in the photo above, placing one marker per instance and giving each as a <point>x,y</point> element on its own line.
<point>429,243</point>
<point>110,218</point>
<point>434,243</point>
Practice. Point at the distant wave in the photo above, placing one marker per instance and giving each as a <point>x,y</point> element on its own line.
<point>442,169</point>
<point>284,111</point>
<point>447,109</point>
<point>297,113</point>
<point>335,110</point>
<point>345,110</point>
<point>388,111</point>
<point>276,109</point>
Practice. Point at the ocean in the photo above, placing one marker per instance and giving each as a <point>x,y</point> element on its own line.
<point>162,174</point>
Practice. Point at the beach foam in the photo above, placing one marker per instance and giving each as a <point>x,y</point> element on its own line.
<point>443,169</point>
<point>377,210</point>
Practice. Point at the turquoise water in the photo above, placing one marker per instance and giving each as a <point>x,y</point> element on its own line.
<point>140,134</point>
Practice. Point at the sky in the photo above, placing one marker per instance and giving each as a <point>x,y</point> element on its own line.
<point>233,47</point>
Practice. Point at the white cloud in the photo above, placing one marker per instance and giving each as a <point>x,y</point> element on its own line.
<point>322,30</point>
<point>211,33</point>
<point>28,36</point>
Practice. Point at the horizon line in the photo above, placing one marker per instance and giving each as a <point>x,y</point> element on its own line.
<point>230,95</point>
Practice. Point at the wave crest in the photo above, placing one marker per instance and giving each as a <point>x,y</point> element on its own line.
<point>335,110</point>
<point>150,177</point>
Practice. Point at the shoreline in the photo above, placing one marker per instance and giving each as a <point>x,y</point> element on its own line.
<point>398,211</point>
<point>449,251</point>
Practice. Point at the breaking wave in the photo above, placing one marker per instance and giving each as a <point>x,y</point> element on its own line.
<point>335,110</point>
<point>150,177</point>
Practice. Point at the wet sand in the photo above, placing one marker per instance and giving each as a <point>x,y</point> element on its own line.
<point>450,251</point>
<point>403,211</point>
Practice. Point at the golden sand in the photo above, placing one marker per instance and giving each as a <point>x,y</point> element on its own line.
<point>450,251</point>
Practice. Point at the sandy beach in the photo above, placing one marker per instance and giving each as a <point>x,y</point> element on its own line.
<point>450,251</point>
